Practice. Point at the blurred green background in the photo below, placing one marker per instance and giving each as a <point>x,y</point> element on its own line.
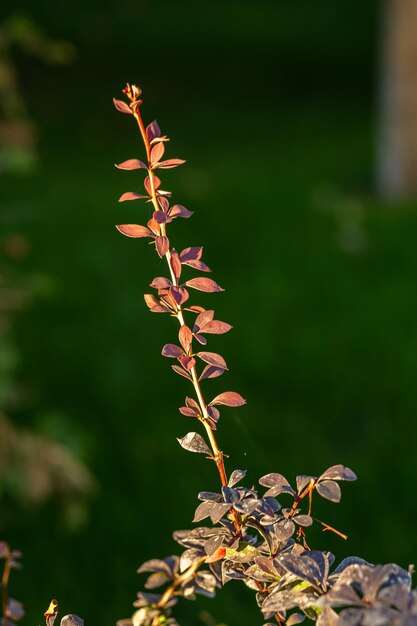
<point>273,104</point>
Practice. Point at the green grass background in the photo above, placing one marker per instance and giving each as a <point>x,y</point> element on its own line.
<point>273,104</point>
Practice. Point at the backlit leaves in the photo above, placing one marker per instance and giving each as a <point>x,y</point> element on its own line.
<point>204,284</point>
<point>131,164</point>
<point>193,442</point>
<point>229,398</point>
<point>134,230</point>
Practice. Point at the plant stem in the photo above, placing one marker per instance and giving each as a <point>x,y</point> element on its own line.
<point>189,573</point>
<point>218,456</point>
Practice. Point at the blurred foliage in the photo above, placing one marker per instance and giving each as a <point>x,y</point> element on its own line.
<point>272,105</point>
<point>17,132</point>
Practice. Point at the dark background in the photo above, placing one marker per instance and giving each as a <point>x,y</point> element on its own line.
<point>273,104</point>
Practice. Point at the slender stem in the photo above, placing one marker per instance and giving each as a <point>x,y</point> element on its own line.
<point>217,453</point>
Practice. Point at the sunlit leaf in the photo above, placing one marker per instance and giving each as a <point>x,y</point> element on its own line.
<point>193,442</point>
<point>229,398</point>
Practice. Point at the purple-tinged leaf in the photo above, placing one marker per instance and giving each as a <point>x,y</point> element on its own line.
<point>303,520</point>
<point>210,495</point>
<point>219,511</point>
<point>122,106</point>
<point>190,402</point>
<point>166,194</point>
<point>163,203</point>
<point>134,230</point>
<point>277,481</point>
<point>284,529</point>
<point>204,284</point>
<point>170,163</point>
<point>186,337</point>
<point>303,481</point>
<point>131,195</point>
<point>198,265</point>
<point>152,131</point>
<point>187,362</point>
<point>193,442</point>
<point>229,398</point>
<point>154,565</point>
<point>182,372</point>
<point>161,283</point>
<point>131,164</point>
<point>188,412</point>
<point>179,211</point>
<point>330,490</point>
<point>203,510</point>
<point>189,557</point>
<point>179,294</point>
<point>156,152</point>
<point>162,245</point>
<point>191,254</point>
<point>157,579</point>
<point>211,372</point>
<point>161,217</point>
<point>213,544</point>
<point>201,339</point>
<point>236,476</point>
<point>202,319</point>
<point>213,412</point>
<point>175,264</point>
<point>172,351</point>
<point>213,359</point>
<point>215,327</point>
<point>338,472</point>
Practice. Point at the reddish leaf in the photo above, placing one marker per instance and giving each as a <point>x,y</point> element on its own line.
<point>199,265</point>
<point>191,254</point>
<point>213,359</point>
<point>163,203</point>
<point>122,106</point>
<point>148,186</point>
<point>156,152</point>
<point>186,337</point>
<point>162,245</point>
<point>190,402</point>
<point>204,284</point>
<point>154,226</point>
<point>167,165</point>
<point>182,372</point>
<point>194,443</point>
<point>154,305</point>
<point>204,318</point>
<point>229,398</point>
<point>179,211</point>
<point>195,308</point>
<point>131,195</point>
<point>185,410</point>
<point>215,327</point>
<point>153,130</point>
<point>134,230</point>
<point>175,264</point>
<point>187,362</point>
<point>161,283</point>
<point>211,372</point>
<point>172,351</point>
<point>132,164</point>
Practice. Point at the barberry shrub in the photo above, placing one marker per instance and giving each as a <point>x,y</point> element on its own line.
<point>258,536</point>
